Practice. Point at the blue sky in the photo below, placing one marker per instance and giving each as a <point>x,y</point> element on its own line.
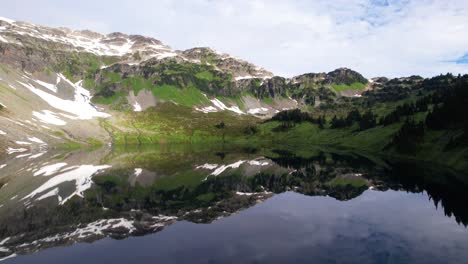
<point>462,60</point>
<point>375,37</point>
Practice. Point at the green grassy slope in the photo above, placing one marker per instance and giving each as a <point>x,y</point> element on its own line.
<point>170,122</point>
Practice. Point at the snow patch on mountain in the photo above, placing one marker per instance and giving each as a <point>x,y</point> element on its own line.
<point>2,39</point>
<point>35,156</point>
<point>49,86</point>
<point>23,156</point>
<point>255,111</point>
<point>23,143</point>
<point>49,117</point>
<point>164,55</point>
<point>138,172</point>
<point>36,140</point>
<point>137,107</point>
<point>11,21</point>
<point>50,169</point>
<point>218,106</point>
<point>244,77</point>
<point>81,107</point>
<point>11,86</point>
<point>222,106</point>
<point>13,150</point>
<point>52,193</point>
<point>207,109</point>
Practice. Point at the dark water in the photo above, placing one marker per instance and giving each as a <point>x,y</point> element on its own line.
<point>275,206</point>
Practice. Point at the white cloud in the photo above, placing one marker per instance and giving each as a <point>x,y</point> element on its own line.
<point>375,37</point>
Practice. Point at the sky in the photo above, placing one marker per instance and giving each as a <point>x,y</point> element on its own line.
<point>390,38</point>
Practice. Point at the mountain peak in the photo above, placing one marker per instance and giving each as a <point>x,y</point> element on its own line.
<point>129,49</point>
<point>240,69</point>
<point>346,76</point>
<point>7,20</point>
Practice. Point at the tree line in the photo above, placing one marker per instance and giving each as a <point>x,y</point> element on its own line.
<point>408,137</point>
<point>446,105</point>
<point>450,105</point>
<point>407,109</point>
<point>289,118</point>
<point>365,121</point>
<point>451,111</point>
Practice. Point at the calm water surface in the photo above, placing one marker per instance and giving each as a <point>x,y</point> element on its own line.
<point>191,205</point>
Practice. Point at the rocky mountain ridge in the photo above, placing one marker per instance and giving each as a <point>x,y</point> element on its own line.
<point>130,49</point>
<point>58,84</point>
<point>24,46</point>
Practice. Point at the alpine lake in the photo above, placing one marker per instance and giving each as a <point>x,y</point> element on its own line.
<point>228,204</point>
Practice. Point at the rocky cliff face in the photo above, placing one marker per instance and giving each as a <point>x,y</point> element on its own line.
<point>239,69</point>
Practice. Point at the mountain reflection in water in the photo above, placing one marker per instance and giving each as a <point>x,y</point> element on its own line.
<point>63,198</point>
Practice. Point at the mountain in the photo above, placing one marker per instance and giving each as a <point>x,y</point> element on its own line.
<point>57,84</point>
<point>65,88</point>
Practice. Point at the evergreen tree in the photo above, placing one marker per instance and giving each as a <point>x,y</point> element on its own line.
<point>408,137</point>
<point>321,122</point>
<point>334,122</point>
<point>353,116</point>
<point>338,123</point>
<point>368,120</point>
